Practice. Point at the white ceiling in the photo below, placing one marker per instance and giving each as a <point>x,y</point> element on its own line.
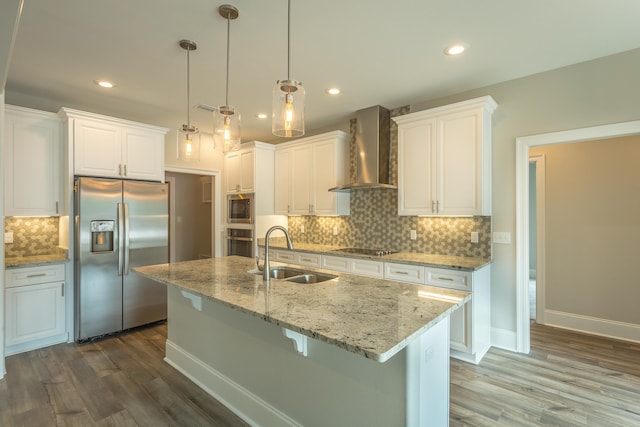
<point>387,53</point>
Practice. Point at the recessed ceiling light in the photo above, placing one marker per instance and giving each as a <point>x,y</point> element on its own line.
<point>332,91</point>
<point>455,49</point>
<point>104,83</point>
<point>261,116</point>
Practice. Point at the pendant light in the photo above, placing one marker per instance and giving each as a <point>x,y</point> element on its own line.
<point>288,99</point>
<point>188,135</point>
<point>226,127</point>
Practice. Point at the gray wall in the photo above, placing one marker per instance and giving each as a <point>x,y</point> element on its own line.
<point>603,91</point>
<point>592,211</point>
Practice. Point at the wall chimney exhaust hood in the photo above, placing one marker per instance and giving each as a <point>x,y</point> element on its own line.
<point>373,150</point>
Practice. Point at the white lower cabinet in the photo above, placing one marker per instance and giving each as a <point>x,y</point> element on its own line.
<point>470,334</point>
<point>35,308</point>
<point>360,267</point>
<point>404,272</point>
<point>471,325</point>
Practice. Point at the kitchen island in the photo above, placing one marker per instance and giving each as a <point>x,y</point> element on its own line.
<point>349,351</point>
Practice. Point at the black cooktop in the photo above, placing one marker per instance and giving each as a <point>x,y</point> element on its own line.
<point>361,251</point>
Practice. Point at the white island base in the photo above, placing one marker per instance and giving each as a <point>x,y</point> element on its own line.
<point>251,367</point>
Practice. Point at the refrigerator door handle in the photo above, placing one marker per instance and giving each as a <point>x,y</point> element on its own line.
<point>120,238</point>
<point>126,238</point>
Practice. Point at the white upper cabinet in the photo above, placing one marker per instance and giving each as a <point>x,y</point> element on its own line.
<point>32,162</point>
<point>250,170</point>
<point>239,166</point>
<point>444,159</point>
<point>114,148</point>
<point>282,181</point>
<point>305,170</point>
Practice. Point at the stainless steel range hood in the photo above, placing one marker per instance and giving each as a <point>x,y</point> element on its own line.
<point>373,150</point>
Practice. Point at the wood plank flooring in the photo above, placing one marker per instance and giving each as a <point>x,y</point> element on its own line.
<point>568,379</point>
<point>117,381</point>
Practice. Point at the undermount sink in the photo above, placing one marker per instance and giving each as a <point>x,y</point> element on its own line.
<point>311,278</point>
<point>296,275</point>
<point>283,272</point>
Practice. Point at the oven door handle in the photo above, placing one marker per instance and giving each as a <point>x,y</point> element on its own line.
<point>242,239</point>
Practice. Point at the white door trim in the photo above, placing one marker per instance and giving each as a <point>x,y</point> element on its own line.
<point>522,207</point>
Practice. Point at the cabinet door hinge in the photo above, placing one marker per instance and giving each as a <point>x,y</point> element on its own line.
<point>75,186</point>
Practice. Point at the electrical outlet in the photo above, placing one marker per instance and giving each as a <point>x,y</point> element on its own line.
<point>474,237</point>
<point>503,237</point>
<point>335,230</point>
<point>413,235</point>
<point>302,229</point>
<point>8,237</point>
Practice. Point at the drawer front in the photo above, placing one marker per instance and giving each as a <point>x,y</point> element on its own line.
<point>283,256</point>
<point>367,268</point>
<point>449,279</point>
<point>34,275</point>
<point>310,260</point>
<point>335,263</point>
<point>404,273</point>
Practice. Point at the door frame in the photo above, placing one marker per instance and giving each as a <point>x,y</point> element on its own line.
<point>522,207</point>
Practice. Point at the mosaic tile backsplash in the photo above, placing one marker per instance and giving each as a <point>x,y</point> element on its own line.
<point>374,222</point>
<point>32,236</point>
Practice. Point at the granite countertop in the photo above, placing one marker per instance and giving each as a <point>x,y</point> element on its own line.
<point>35,260</point>
<point>429,260</point>
<point>374,318</point>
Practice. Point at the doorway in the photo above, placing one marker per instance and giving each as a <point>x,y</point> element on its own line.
<point>523,144</point>
<point>191,217</point>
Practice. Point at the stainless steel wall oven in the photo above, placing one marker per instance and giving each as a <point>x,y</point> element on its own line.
<point>240,242</point>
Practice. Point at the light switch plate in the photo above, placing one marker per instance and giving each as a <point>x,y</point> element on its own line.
<point>335,230</point>
<point>413,235</point>
<point>502,237</point>
<point>8,237</point>
<point>474,237</point>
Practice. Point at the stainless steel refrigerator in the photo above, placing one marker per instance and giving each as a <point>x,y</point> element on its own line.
<point>119,225</point>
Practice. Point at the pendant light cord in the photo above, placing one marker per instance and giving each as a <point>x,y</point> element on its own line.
<point>226,94</point>
<point>288,38</point>
<point>188,87</point>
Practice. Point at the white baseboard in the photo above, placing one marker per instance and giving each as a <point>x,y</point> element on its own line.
<point>246,405</point>
<point>36,344</point>
<point>593,325</point>
<point>504,339</point>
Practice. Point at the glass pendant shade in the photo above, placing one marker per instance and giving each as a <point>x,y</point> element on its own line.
<point>188,143</point>
<point>288,109</point>
<point>226,128</point>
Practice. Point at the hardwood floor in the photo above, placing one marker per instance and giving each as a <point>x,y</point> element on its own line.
<point>568,379</point>
<point>117,381</point>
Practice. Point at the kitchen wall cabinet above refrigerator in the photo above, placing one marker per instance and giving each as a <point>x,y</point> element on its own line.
<point>32,163</point>
<point>114,148</point>
<point>444,159</point>
<point>305,171</point>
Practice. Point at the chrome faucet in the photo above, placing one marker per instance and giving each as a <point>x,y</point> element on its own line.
<point>266,270</point>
